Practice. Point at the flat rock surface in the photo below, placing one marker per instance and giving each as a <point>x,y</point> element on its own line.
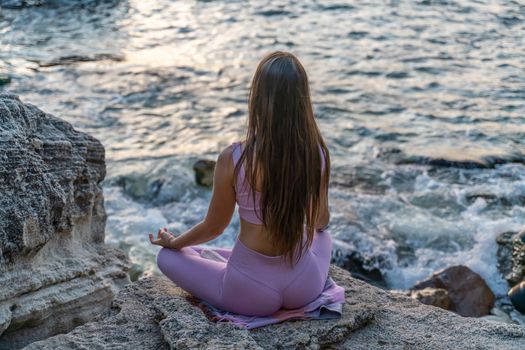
<point>153,313</point>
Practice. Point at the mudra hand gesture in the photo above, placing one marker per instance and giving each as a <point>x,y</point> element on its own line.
<point>164,238</point>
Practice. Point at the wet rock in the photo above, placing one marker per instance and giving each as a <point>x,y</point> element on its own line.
<point>365,268</point>
<point>204,172</point>
<point>433,296</point>
<point>359,267</point>
<point>511,256</point>
<point>493,200</point>
<point>363,179</point>
<point>17,4</point>
<point>139,187</point>
<point>135,272</point>
<point>504,254</point>
<point>505,305</point>
<point>468,293</point>
<point>72,59</point>
<point>517,296</point>
<point>53,260</point>
<point>160,184</point>
<point>497,315</point>
<point>153,313</point>
<point>397,156</point>
<point>4,79</point>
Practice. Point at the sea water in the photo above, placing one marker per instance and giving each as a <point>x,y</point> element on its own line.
<point>421,104</point>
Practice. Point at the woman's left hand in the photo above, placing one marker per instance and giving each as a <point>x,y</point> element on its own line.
<point>163,238</point>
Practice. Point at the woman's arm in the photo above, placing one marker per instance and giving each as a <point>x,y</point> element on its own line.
<point>221,206</point>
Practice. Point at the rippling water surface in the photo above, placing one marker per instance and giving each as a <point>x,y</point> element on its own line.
<point>421,104</point>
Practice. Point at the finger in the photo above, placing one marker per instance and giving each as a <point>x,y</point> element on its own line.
<point>152,240</point>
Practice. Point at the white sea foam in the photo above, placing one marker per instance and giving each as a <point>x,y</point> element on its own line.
<point>436,221</point>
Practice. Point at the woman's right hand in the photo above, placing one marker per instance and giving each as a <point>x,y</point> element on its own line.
<point>164,238</point>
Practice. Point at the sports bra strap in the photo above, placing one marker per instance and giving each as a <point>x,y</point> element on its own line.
<point>236,153</point>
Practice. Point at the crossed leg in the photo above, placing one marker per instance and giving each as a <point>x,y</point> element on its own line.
<point>201,277</point>
<point>217,282</point>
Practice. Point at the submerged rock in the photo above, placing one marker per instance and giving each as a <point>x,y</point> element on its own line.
<point>468,293</point>
<point>204,172</point>
<point>153,313</point>
<point>484,161</point>
<point>4,79</point>
<point>153,182</point>
<point>55,271</point>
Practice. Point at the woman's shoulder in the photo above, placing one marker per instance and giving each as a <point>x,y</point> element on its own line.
<point>226,152</point>
<point>229,154</point>
<point>234,150</point>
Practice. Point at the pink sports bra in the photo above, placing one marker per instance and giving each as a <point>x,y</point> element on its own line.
<point>243,194</point>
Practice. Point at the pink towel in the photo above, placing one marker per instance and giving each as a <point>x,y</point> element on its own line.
<point>328,305</point>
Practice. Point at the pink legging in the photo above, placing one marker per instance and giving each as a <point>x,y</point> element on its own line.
<point>249,283</point>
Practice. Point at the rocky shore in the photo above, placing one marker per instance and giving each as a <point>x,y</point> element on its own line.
<point>62,288</point>
<point>55,270</point>
<point>152,313</point>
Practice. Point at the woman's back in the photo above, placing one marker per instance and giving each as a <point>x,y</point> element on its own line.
<point>252,232</point>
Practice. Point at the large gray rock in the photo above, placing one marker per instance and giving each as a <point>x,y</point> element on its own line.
<point>55,271</point>
<point>153,313</point>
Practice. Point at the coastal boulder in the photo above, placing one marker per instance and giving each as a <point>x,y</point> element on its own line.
<point>55,271</point>
<point>467,292</point>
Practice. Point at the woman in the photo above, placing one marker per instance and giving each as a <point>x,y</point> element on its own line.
<point>279,178</point>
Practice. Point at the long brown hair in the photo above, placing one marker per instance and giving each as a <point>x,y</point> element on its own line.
<point>282,145</point>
